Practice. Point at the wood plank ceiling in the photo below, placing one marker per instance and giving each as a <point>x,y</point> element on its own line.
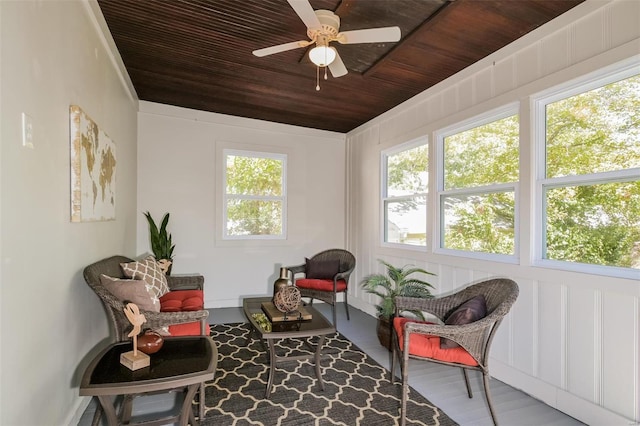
<point>197,53</point>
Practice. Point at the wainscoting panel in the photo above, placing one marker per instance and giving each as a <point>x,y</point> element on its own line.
<point>587,37</point>
<point>551,334</point>
<point>620,352</point>
<point>523,328</point>
<point>581,343</point>
<point>504,76</point>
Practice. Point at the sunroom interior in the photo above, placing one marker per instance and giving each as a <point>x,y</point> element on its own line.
<point>571,340</point>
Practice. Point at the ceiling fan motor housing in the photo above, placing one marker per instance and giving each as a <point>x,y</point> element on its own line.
<point>330,25</point>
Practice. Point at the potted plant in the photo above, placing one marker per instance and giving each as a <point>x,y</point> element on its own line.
<point>397,282</point>
<point>161,244</point>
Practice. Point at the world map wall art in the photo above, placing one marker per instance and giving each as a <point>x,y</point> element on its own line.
<point>93,170</point>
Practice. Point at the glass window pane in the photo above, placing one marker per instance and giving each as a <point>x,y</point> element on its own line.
<point>254,176</point>
<point>596,131</point>
<point>594,224</point>
<point>254,217</point>
<point>406,221</point>
<point>480,222</point>
<point>407,172</point>
<point>484,155</point>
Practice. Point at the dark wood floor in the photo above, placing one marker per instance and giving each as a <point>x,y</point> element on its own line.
<point>443,386</point>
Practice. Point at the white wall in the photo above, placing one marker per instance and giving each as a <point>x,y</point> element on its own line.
<point>52,55</point>
<point>179,151</point>
<point>572,340</point>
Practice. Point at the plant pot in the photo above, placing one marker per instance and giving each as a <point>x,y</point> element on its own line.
<point>383,329</point>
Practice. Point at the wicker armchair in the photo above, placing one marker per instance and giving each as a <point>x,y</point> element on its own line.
<point>115,308</point>
<point>474,338</point>
<point>121,326</point>
<point>326,290</point>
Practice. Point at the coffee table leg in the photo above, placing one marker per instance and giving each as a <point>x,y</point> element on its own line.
<point>186,414</point>
<point>317,359</point>
<point>109,409</point>
<point>272,366</point>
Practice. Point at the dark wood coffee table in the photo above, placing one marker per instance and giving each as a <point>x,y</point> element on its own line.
<point>182,363</point>
<point>317,326</point>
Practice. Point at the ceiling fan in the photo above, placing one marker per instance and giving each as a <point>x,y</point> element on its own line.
<point>322,28</point>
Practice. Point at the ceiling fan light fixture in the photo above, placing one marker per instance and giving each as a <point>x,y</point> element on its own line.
<point>322,55</point>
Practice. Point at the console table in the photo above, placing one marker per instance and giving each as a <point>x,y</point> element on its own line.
<point>182,363</point>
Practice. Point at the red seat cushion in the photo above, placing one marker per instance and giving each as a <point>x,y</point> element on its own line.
<point>182,300</point>
<point>322,285</point>
<point>428,346</point>
<point>187,329</point>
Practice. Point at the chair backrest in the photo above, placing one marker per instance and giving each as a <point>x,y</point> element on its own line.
<point>114,308</point>
<point>500,294</point>
<point>347,260</point>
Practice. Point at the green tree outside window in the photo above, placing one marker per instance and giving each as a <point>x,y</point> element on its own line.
<point>254,194</point>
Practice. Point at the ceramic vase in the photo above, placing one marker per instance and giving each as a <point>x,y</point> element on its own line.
<point>150,342</point>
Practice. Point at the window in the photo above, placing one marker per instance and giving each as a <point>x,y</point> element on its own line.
<point>477,193</point>
<point>404,194</point>
<point>254,195</point>
<point>589,183</point>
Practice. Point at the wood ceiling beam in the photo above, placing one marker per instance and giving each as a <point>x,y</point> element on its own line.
<point>417,32</point>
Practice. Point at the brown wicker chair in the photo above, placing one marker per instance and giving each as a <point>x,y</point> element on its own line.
<point>474,338</point>
<point>328,294</point>
<point>115,308</point>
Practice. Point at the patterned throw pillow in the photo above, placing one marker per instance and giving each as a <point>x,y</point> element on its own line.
<point>134,291</point>
<point>148,271</point>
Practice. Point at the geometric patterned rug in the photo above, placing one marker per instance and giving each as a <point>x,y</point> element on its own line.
<point>357,389</point>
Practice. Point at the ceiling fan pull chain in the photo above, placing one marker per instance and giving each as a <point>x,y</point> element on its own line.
<point>318,78</point>
<point>325,73</point>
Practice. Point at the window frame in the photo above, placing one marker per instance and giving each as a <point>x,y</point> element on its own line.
<point>488,117</point>
<point>539,102</point>
<point>226,152</point>
<point>384,198</point>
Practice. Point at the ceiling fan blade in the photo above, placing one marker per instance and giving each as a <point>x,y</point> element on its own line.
<point>280,48</point>
<point>337,67</point>
<point>371,35</point>
<point>305,12</point>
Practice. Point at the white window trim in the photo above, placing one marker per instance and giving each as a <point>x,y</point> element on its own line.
<point>420,141</point>
<point>539,101</point>
<point>496,114</point>
<point>225,197</point>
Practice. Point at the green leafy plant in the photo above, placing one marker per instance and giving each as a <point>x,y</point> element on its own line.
<point>161,243</point>
<point>397,282</point>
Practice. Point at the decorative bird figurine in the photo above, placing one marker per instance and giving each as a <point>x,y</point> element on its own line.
<point>134,316</point>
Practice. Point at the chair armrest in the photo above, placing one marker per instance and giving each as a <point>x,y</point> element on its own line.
<point>297,269</point>
<point>161,319</point>
<point>344,275</point>
<point>439,306</point>
<point>185,282</point>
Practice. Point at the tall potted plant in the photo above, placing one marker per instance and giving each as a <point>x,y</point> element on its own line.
<point>397,282</point>
<point>161,244</point>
